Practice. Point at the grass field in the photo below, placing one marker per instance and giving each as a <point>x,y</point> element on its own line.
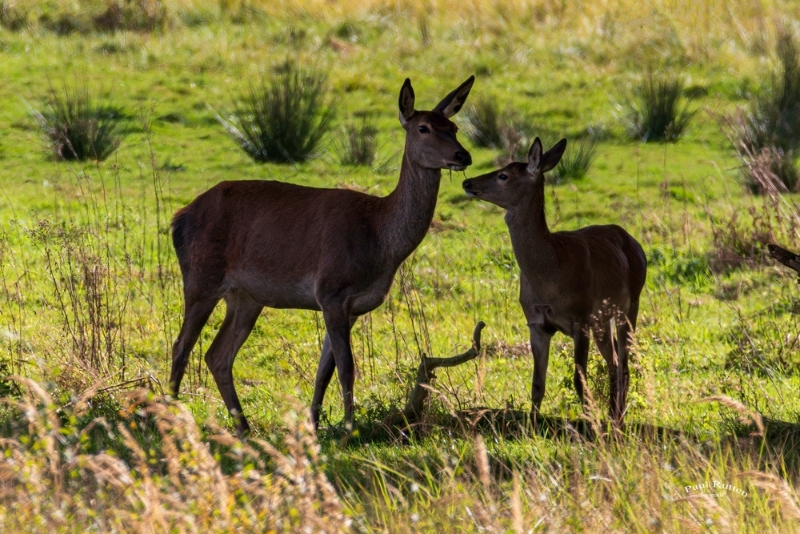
<point>91,291</point>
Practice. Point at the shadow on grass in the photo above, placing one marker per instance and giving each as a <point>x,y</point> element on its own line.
<point>353,463</point>
<point>780,444</point>
<point>782,440</point>
<point>503,423</point>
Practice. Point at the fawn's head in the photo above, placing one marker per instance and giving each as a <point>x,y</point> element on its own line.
<point>430,135</point>
<point>508,186</point>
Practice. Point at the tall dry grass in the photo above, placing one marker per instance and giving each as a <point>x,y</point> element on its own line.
<point>50,479</point>
<point>184,478</point>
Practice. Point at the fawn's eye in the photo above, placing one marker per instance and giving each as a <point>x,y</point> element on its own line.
<point>424,129</point>
<point>502,177</point>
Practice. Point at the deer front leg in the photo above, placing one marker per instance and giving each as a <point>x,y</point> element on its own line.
<point>540,347</point>
<point>338,325</point>
<point>327,364</point>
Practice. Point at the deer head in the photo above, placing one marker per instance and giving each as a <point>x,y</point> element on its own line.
<point>507,187</point>
<point>430,135</point>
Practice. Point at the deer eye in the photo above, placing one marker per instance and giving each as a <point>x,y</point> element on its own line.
<point>502,177</point>
<point>424,129</point>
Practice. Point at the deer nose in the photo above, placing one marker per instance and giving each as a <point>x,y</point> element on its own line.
<point>463,157</point>
<point>466,184</point>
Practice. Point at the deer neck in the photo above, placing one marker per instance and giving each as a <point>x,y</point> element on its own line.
<point>410,208</point>
<point>530,236</point>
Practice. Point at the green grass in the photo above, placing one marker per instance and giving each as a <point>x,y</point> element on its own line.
<point>716,318</point>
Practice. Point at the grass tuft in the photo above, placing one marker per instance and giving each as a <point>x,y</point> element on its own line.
<point>12,16</point>
<point>77,127</point>
<point>282,121</point>
<point>655,112</point>
<point>137,15</point>
<point>766,135</point>
<point>576,162</point>
<point>483,124</point>
<point>358,143</point>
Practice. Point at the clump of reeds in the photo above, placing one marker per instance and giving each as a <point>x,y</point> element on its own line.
<point>576,162</point>
<point>483,123</point>
<point>766,134</point>
<point>357,143</point>
<point>655,109</point>
<point>283,119</point>
<point>77,126</point>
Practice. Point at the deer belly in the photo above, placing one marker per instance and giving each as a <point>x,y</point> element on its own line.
<point>297,294</point>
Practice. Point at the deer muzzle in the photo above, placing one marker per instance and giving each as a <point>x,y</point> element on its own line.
<point>469,188</point>
<point>463,160</point>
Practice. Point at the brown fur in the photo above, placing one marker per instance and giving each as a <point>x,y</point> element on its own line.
<point>271,244</point>
<point>570,282</point>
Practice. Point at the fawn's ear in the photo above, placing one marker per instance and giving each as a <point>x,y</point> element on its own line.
<point>406,102</point>
<point>551,158</point>
<point>452,103</point>
<point>535,157</point>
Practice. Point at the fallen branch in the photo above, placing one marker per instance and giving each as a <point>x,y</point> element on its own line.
<point>416,402</point>
<point>789,259</point>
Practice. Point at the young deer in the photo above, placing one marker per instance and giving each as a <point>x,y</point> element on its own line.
<point>274,244</point>
<point>570,282</point>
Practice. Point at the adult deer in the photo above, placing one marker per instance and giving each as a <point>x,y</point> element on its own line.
<point>570,282</point>
<point>279,245</point>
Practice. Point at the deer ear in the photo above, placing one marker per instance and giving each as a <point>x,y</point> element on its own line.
<point>553,156</point>
<point>406,102</point>
<point>452,103</point>
<point>535,157</point>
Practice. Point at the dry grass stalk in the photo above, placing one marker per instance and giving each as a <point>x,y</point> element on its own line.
<point>746,414</point>
<point>516,505</point>
<point>482,462</point>
<point>778,489</point>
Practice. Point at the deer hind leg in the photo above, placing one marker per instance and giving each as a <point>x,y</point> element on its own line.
<point>624,332</point>
<point>581,341</point>
<point>195,317</point>
<point>240,318</point>
<point>623,373</point>
<point>617,362</point>
<point>327,364</point>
